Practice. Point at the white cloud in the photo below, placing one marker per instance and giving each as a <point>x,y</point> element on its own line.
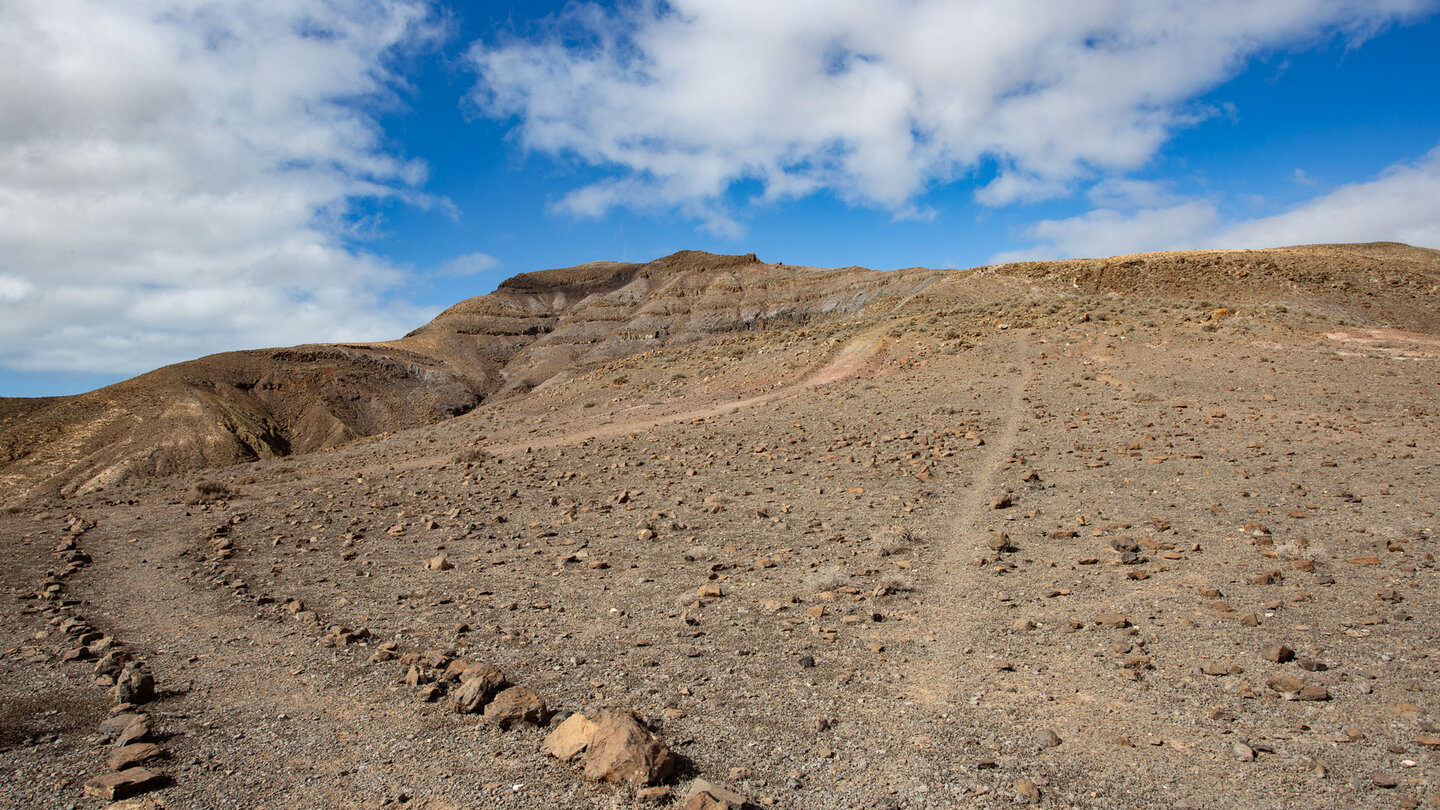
<point>679,101</point>
<point>468,265</point>
<point>1401,205</point>
<point>179,177</point>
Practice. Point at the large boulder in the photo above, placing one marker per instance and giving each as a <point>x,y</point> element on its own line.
<point>624,751</point>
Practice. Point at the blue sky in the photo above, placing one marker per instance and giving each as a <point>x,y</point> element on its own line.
<point>179,178</point>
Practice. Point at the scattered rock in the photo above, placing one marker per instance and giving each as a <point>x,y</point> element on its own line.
<point>131,755</point>
<point>1279,653</point>
<point>1026,791</point>
<point>134,685</point>
<point>1047,738</point>
<point>515,706</point>
<point>570,738</point>
<point>704,800</point>
<point>1114,621</point>
<point>479,686</point>
<point>121,784</point>
<point>624,751</point>
<point>718,796</point>
<point>112,727</point>
<point>438,563</point>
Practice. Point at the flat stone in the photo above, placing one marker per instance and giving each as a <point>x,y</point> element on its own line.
<point>112,727</point>
<point>131,755</point>
<point>726,797</point>
<point>704,800</point>
<point>1114,621</point>
<point>121,784</point>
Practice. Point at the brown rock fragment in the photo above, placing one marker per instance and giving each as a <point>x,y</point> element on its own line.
<point>134,685</point>
<point>1279,653</point>
<point>515,706</point>
<point>570,738</point>
<point>481,684</point>
<point>717,796</point>
<point>703,800</point>
<point>132,755</point>
<point>1027,790</point>
<point>1114,621</point>
<point>622,750</point>
<point>121,784</point>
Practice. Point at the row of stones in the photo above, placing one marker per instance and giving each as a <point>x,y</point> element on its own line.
<point>127,730</point>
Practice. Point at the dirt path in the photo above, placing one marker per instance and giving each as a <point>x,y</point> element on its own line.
<point>952,619</point>
<point>846,363</point>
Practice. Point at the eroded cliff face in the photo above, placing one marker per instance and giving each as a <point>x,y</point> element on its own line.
<point>542,329</point>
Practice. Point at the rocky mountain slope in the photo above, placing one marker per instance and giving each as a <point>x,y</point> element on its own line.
<point>545,327</point>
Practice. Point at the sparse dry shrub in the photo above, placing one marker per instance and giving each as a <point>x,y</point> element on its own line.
<point>824,579</point>
<point>207,491</point>
<point>471,455</point>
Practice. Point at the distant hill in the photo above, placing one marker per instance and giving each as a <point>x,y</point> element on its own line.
<point>539,329</point>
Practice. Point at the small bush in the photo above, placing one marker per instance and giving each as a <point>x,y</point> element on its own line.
<point>824,579</point>
<point>471,455</point>
<point>207,491</point>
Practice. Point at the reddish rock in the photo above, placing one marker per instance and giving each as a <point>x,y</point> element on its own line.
<point>515,706</point>
<point>132,755</point>
<point>624,751</point>
<point>121,784</point>
<point>1114,621</point>
<point>481,684</point>
<point>570,738</point>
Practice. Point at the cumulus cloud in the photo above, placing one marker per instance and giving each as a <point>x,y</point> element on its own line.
<point>180,177</point>
<point>681,100</point>
<point>1402,204</point>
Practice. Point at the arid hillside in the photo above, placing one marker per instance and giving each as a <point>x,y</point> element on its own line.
<point>1152,531</point>
<point>544,328</point>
